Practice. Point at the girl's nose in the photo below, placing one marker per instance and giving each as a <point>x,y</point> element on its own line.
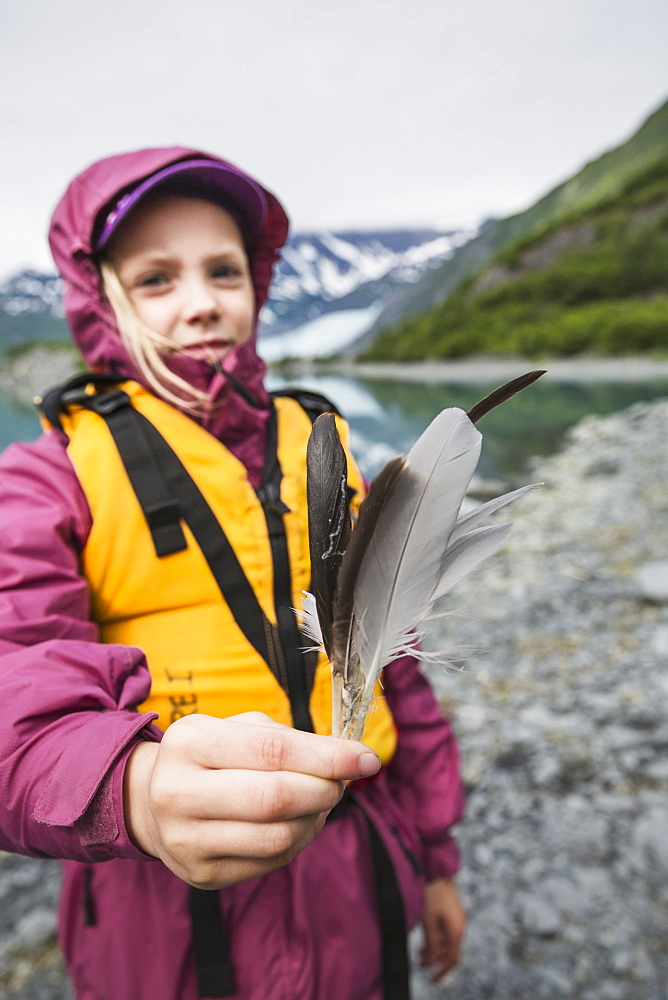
<point>200,303</point>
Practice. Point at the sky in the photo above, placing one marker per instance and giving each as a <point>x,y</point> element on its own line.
<point>358,113</point>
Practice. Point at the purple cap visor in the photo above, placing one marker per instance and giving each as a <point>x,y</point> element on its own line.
<point>207,179</point>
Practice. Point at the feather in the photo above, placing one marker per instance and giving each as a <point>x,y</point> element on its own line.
<point>402,562</point>
<point>501,394</point>
<point>346,675</point>
<point>380,490</point>
<point>328,515</point>
<point>410,546</point>
<point>310,623</point>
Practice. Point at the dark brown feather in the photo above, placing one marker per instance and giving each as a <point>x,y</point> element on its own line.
<point>501,394</point>
<point>380,491</point>
<point>328,515</point>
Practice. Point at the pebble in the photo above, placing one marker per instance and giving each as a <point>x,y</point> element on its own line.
<point>539,917</point>
<point>35,929</point>
<point>650,841</point>
<point>659,642</point>
<point>652,579</point>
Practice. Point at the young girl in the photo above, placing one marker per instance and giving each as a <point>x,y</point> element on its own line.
<point>158,713</point>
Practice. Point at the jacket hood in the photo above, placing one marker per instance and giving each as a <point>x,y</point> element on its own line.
<point>77,215</point>
<point>239,404</point>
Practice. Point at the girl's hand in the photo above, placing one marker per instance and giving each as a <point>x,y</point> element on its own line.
<point>444,922</point>
<point>219,801</point>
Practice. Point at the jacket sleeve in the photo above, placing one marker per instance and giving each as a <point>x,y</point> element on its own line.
<point>67,717</point>
<point>424,774</point>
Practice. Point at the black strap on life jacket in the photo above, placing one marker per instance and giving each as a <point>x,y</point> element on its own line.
<point>149,459</point>
<point>57,399</point>
<point>312,402</point>
<point>136,446</point>
<point>211,944</point>
<point>298,680</point>
<point>391,917</point>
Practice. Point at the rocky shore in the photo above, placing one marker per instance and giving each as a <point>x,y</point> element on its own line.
<point>31,372</point>
<point>562,717</point>
<point>480,368</point>
<point>558,690</point>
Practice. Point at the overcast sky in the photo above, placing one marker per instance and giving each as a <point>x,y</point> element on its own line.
<point>358,113</point>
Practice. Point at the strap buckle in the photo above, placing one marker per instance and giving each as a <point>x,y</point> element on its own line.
<point>270,497</point>
<point>108,402</point>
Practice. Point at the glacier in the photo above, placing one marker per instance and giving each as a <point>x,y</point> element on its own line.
<point>329,334</point>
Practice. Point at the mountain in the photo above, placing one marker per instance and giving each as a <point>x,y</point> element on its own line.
<point>31,309</point>
<point>340,278</point>
<point>570,229</point>
<point>323,272</point>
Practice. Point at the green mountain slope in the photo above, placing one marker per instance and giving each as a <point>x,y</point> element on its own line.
<point>585,268</point>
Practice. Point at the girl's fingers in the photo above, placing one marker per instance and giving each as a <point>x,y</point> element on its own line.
<point>224,839</point>
<point>217,873</point>
<point>255,742</point>
<point>253,796</point>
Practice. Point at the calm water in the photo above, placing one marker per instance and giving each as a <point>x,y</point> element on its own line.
<point>386,416</point>
<point>16,423</point>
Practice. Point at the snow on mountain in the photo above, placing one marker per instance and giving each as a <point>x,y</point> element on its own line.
<point>332,266</point>
<point>328,289</point>
<point>325,272</point>
<point>31,292</point>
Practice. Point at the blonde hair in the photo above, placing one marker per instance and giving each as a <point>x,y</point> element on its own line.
<point>146,348</point>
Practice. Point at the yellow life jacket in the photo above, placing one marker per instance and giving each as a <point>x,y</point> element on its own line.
<point>172,608</point>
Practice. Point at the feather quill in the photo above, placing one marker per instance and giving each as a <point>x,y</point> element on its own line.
<point>410,546</point>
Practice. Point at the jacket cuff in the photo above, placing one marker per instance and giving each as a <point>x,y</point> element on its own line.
<point>103,823</point>
<point>441,860</point>
<point>85,790</point>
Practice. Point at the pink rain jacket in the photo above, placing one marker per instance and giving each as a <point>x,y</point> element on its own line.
<point>68,719</point>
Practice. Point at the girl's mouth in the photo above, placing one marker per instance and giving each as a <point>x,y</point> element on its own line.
<point>211,350</point>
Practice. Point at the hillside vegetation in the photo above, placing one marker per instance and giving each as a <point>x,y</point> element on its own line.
<point>585,269</point>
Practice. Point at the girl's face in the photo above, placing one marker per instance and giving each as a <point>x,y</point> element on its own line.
<point>183,265</point>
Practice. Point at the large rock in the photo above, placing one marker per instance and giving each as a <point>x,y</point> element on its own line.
<point>652,579</point>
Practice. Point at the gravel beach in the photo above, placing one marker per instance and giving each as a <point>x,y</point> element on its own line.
<point>562,717</point>
<point>558,691</point>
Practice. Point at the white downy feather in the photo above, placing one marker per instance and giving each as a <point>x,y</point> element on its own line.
<point>310,622</point>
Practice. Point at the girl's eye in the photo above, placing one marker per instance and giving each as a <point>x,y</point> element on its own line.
<point>152,280</point>
<point>226,271</point>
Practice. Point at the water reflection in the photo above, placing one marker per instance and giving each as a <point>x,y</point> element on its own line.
<point>387,415</point>
<point>17,423</point>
